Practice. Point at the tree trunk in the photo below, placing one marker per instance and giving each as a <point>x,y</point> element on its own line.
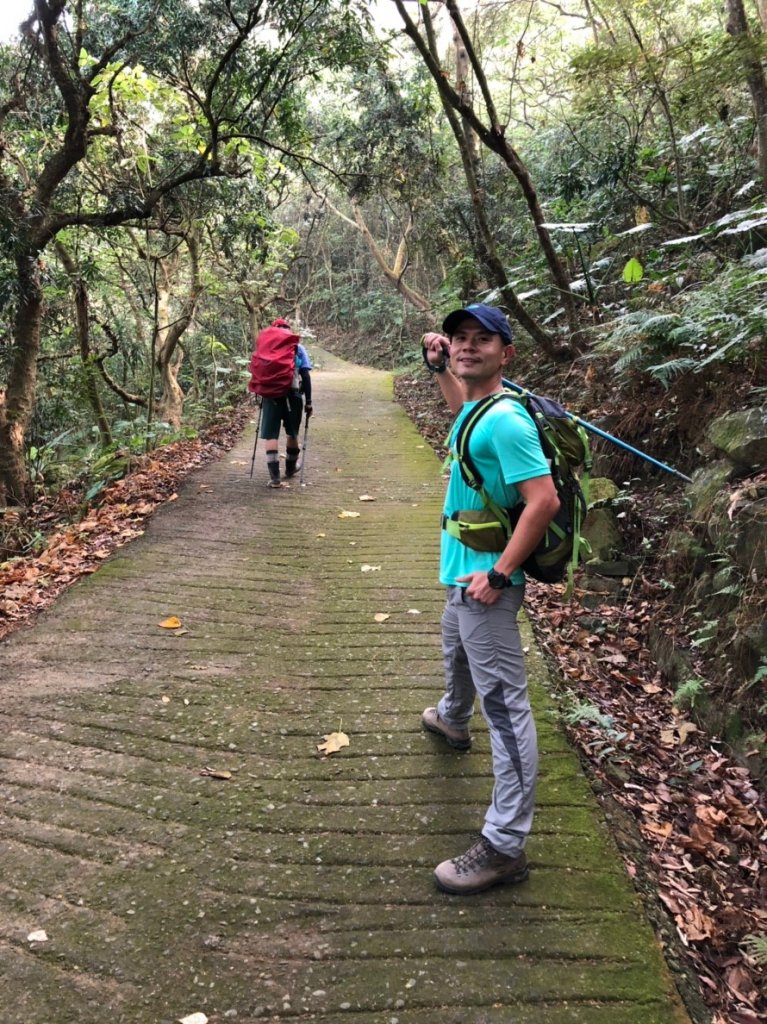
<point>171,407</point>
<point>82,313</point>
<point>761,6</point>
<point>17,403</point>
<point>487,250</point>
<point>492,135</point>
<point>170,355</point>
<point>393,270</point>
<point>737,26</point>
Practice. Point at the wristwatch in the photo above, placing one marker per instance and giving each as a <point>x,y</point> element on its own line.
<point>497,580</point>
<point>439,368</point>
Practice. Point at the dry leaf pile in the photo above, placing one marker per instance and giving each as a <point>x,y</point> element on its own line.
<point>78,539</point>
<point>702,823</point>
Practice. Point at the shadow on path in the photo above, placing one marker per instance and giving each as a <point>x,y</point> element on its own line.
<point>299,888</point>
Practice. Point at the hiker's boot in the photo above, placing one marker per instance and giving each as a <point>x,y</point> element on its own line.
<point>480,868</point>
<point>273,465</point>
<point>291,462</point>
<point>458,739</point>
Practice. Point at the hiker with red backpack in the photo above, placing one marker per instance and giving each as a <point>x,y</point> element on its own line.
<point>280,374</point>
<point>481,567</point>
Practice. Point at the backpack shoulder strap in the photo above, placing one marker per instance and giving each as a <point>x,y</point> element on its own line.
<point>466,464</point>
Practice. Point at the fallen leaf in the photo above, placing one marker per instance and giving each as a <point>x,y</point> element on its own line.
<point>661,829</point>
<point>685,729</point>
<point>381,616</point>
<point>367,497</point>
<point>413,611</point>
<point>697,925</point>
<point>180,632</point>
<point>172,622</point>
<point>370,568</point>
<point>165,699</point>
<point>39,936</point>
<point>216,773</point>
<point>349,515</point>
<point>321,535</point>
<point>334,741</point>
<point>194,1018</point>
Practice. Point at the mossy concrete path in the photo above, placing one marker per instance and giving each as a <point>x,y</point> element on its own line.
<point>299,887</point>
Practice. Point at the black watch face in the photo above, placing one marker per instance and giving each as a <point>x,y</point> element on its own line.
<point>496,580</point>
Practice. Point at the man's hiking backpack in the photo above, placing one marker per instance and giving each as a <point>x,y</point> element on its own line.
<point>273,363</point>
<point>566,447</point>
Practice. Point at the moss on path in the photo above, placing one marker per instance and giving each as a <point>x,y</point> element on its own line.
<point>299,888</point>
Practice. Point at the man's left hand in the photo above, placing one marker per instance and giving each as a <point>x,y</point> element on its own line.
<point>309,409</point>
<point>479,588</point>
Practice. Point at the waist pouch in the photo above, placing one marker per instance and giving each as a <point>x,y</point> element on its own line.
<point>477,528</point>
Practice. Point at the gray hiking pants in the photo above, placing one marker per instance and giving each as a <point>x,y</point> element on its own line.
<point>483,656</point>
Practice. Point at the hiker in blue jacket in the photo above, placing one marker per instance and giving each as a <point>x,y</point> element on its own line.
<point>287,412</point>
<point>481,645</point>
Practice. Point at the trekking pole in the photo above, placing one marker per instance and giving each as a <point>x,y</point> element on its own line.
<point>255,443</point>
<point>303,452</point>
<point>607,437</point>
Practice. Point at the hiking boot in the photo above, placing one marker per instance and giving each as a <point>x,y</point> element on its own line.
<point>291,468</point>
<point>274,483</point>
<point>458,739</point>
<point>480,868</point>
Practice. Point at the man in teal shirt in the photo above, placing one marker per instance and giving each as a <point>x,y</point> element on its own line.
<point>481,646</point>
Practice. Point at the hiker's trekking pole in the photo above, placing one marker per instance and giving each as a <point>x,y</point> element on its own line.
<point>303,452</point>
<point>628,448</point>
<point>608,437</point>
<point>255,443</point>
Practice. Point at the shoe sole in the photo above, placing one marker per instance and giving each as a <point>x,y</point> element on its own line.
<point>455,744</point>
<point>519,876</point>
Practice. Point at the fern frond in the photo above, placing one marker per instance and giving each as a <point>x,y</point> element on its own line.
<point>666,372</point>
<point>756,947</point>
<point>630,358</point>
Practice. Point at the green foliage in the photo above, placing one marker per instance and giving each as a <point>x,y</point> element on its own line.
<point>633,272</point>
<point>756,947</point>
<point>722,320</point>
<point>704,634</point>
<point>690,694</point>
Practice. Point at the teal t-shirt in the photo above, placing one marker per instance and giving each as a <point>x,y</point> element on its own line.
<point>504,445</point>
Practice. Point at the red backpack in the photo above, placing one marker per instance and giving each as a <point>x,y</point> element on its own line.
<point>273,363</point>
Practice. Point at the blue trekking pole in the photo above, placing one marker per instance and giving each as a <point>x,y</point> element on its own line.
<point>607,437</point>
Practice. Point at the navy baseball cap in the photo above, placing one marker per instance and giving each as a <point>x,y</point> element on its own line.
<point>491,318</point>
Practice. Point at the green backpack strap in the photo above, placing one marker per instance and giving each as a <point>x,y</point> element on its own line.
<point>467,465</point>
<point>468,468</point>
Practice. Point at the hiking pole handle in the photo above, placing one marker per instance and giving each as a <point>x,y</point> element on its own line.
<point>603,434</point>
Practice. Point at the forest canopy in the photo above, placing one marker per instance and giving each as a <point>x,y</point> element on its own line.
<point>174,173</point>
